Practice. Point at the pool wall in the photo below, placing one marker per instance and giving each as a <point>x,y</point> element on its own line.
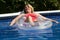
<point>12,33</point>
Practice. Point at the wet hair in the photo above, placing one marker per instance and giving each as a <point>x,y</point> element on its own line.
<point>32,9</point>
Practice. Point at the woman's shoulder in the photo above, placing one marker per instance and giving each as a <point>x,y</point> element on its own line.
<point>21,14</point>
<point>37,13</point>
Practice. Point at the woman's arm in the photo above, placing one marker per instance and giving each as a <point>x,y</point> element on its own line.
<point>16,19</point>
<point>47,18</point>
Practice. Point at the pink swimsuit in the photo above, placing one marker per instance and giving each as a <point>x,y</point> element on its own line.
<point>34,16</point>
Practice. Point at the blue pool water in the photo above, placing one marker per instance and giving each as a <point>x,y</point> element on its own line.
<point>13,33</point>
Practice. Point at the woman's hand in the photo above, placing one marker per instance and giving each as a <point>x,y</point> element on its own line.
<point>10,24</point>
<point>55,21</point>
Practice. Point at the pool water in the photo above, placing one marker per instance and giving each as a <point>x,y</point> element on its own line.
<point>13,33</point>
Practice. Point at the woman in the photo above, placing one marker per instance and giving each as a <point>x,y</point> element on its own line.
<point>30,16</point>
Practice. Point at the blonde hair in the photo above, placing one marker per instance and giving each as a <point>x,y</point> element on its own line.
<point>32,9</point>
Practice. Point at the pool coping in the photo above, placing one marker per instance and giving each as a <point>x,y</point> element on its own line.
<point>41,12</point>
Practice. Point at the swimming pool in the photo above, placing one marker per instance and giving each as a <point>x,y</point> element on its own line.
<point>13,33</point>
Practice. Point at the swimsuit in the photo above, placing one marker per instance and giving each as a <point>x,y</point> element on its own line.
<point>33,16</point>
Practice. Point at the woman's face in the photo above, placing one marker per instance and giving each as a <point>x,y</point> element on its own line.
<point>27,9</point>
